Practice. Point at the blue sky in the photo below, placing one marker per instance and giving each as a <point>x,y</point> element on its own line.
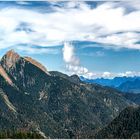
<point>92,39</point>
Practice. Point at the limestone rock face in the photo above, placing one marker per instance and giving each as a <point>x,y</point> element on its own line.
<point>9,59</point>
<point>5,76</point>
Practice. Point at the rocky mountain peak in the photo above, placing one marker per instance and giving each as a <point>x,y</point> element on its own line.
<point>9,59</point>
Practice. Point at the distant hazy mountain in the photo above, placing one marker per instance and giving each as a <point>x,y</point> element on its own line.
<point>130,86</point>
<point>125,126</point>
<point>115,82</point>
<point>124,84</point>
<point>51,103</point>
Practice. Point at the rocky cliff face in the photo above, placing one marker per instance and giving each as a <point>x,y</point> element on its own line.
<point>9,60</point>
<point>5,75</point>
<point>52,103</point>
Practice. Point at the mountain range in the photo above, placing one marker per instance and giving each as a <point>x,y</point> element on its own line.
<point>130,86</point>
<point>124,84</point>
<point>51,103</point>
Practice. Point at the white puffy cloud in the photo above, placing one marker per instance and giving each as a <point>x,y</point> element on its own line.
<point>73,66</point>
<point>73,21</point>
<point>127,40</point>
<point>79,70</point>
<point>72,62</point>
<point>129,74</point>
<point>94,75</point>
<point>110,75</point>
<point>69,54</point>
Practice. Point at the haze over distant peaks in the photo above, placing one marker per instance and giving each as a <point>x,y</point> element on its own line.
<point>124,84</point>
